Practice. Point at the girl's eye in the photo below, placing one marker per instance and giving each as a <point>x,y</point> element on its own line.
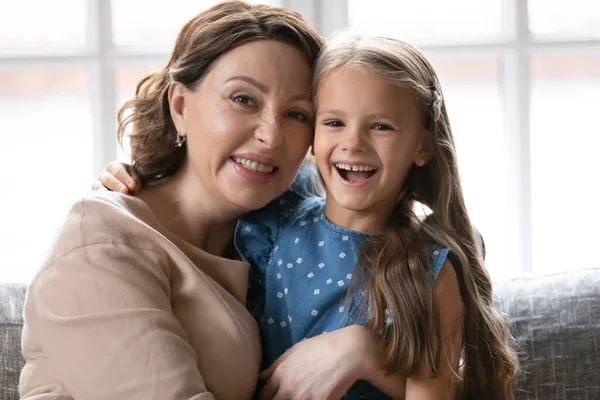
<point>382,127</point>
<point>334,124</point>
<point>300,116</point>
<point>243,99</point>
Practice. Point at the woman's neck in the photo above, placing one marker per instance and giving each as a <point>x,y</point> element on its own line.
<point>190,212</point>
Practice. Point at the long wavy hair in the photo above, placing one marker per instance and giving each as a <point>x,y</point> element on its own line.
<point>396,263</point>
<point>201,41</point>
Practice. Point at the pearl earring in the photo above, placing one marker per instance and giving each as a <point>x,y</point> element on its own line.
<point>179,140</point>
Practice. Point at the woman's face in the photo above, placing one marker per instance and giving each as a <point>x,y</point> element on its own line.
<point>248,124</point>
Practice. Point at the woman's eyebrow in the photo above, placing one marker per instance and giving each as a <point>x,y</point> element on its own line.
<point>260,86</point>
<point>263,88</point>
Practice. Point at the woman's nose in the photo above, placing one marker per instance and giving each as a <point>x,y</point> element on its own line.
<point>269,131</point>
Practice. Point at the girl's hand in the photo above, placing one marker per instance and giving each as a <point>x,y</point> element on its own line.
<point>323,367</point>
<point>116,178</point>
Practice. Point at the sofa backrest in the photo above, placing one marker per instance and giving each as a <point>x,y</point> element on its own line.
<point>555,320</point>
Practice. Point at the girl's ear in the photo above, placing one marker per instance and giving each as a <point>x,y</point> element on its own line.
<point>425,153</point>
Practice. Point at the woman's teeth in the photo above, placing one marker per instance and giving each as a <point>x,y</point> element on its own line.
<point>349,167</point>
<point>253,165</point>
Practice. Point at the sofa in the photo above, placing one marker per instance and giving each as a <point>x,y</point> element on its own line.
<point>555,320</point>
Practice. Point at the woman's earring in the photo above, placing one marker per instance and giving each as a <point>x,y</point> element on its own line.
<point>421,163</point>
<point>179,140</point>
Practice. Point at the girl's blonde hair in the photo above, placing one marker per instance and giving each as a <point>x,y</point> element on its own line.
<point>397,263</point>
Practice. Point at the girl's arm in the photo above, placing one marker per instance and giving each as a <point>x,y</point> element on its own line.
<point>116,178</point>
<point>446,295</point>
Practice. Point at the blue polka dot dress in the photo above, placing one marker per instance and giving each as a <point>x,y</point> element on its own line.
<point>301,268</point>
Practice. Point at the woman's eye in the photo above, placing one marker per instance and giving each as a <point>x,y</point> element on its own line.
<point>382,127</point>
<point>242,99</point>
<point>300,116</point>
<point>334,124</point>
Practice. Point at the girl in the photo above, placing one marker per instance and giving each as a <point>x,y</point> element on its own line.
<point>361,256</point>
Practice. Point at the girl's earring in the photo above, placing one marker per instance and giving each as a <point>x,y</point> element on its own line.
<point>180,140</point>
<point>421,163</point>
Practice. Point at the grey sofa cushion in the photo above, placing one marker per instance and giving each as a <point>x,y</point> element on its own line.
<point>556,322</point>
<point>11,323</point>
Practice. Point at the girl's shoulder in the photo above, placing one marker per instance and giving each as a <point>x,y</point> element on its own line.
<point>437,257</point>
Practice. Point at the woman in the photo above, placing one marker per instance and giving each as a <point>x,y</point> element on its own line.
<point>136,299</point>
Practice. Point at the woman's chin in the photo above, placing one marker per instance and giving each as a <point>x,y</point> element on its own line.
<point>249,199</point>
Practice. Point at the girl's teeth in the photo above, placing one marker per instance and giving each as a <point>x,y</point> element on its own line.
<point>253,165</point>
<point>349,167</point>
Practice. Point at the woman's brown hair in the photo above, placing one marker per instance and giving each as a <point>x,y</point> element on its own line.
<point>400,285</point>
<point>201,41</point>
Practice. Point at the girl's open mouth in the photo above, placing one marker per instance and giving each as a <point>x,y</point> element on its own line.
<point>355,173</point>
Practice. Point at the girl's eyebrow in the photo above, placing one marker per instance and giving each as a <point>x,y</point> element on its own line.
<point>330,111</point>
<point>380,115</point>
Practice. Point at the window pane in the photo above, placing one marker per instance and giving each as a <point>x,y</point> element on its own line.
<point>579,18</point>
<point>33,24</point>
<point>127,80</point>
<point>47,156</point>
<point>428,20</point>
<point>474,103</point>
<point>141,23</point>
<point>564,157</point>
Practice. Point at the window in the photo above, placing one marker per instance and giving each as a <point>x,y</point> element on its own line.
<point>520,79</point>
<point>564,146</point>
<point>428,21</point>
<point>46,158</point>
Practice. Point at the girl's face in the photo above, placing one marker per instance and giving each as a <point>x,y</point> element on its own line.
<point>368,137</point>
<point>248,124</point>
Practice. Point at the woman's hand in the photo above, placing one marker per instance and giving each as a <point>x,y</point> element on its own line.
<point>116,178</point>
<point>323,367</point>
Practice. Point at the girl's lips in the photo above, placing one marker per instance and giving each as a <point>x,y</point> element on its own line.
<point>361,177</point>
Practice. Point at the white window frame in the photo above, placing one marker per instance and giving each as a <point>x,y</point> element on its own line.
<point>102,59</point>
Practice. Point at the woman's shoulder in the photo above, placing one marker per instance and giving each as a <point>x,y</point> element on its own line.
<point>101,217</point>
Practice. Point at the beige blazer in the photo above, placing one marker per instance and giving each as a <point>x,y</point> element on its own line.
<point>122,309</point>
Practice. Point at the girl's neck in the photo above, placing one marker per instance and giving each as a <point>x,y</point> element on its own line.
<point>185,208</point>
<point>371,221</point>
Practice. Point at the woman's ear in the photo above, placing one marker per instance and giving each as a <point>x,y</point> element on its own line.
<point>177,106</point>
